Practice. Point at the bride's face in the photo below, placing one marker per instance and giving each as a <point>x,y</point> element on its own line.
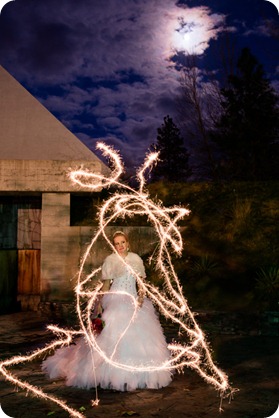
<point>121,245</point>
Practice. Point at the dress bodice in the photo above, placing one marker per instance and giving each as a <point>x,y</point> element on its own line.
<point>125,283</point>
<point>123,272</point>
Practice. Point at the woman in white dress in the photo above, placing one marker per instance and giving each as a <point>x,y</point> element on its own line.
<point>132,339</point>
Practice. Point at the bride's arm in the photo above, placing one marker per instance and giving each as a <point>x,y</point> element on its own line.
<point>106,286</point>
<point>141,293</point>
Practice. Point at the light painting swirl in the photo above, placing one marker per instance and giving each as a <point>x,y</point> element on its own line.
<point>171,302</point>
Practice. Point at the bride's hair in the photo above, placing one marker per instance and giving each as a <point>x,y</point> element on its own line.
<point>120,233</point>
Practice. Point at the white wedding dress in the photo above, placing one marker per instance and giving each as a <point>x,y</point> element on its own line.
<point>131,337</point>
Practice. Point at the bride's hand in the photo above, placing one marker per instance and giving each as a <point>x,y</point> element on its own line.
<point>99,308</point>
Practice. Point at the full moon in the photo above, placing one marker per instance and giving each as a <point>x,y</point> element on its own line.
<point>184,41</point>
<point>189,30</point>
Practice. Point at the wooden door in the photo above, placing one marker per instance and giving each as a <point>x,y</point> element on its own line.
<point>29,267</point>
<point>20,243</point>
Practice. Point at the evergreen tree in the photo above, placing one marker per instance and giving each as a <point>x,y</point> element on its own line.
<point>248,130</point>
<point>173,158</point>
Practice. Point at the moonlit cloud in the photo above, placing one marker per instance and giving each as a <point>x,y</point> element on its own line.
<point>192,29</point>
<point>111,63</point>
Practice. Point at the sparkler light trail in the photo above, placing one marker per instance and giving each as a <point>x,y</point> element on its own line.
<point>171,301</point>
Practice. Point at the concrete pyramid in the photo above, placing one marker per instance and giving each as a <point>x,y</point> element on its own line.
<point>28,131</point>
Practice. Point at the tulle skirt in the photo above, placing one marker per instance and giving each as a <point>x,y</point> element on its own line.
<point>134,346</point>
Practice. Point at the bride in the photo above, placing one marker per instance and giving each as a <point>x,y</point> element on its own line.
<point>132,335</point>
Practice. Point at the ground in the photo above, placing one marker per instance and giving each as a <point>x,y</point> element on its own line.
<point>251,362</point>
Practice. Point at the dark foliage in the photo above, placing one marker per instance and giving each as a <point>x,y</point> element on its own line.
<point>231,242</point>
<point>173,159</point>
<point>248,130</point>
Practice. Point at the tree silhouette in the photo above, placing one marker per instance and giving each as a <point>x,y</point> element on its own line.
<point>173,163</point>
<point>198,110</point>
<point>248,129</point>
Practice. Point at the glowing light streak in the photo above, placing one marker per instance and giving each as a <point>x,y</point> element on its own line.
<point>171,302</point>
<point>31,388</point>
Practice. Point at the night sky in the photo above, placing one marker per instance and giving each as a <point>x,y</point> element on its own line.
<point>109,69</point>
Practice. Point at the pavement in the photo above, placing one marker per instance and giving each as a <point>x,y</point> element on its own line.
<point>251,362</point>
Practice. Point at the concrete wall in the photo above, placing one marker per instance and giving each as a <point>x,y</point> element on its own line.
<point>42,175</point>
<point>58,246</point>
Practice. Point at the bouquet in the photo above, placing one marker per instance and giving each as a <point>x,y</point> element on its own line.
<point>97,324</point>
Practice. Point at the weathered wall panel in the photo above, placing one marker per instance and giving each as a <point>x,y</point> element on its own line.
<point>29,229</point>
<point>8,227</point>
<point>29,267</point>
